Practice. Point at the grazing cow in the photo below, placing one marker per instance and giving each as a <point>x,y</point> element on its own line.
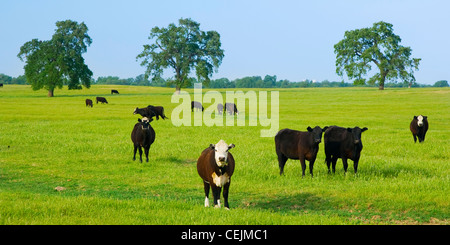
<point>293,144</point>
<point>231,108</point>
<point>216,166</point>
<point>1,84</point>
<point>101,99</point>
<point>89,102</point>
<point>142,135</point>
<point>151,111</point>
<point>220,108</point>
<point>196,104</point>
<point>344,143</point>
<point>419,127</point>
<point>113,91</point>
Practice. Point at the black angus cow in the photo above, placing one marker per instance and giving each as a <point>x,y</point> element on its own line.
<point>1,84</point>
<point>419,127</point>
<point>89,102</point>
<point>113,91</point>
<point>216,166</point>
<point>101,99</point>
<point>231,108</point>
<point>344,143</point>
<point>298,145</point>
<point>142,135</point>
<point>220,108</point>
<point>196,104</point>
<point>151,111</point>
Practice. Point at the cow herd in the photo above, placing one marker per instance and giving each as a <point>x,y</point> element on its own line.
<point>216,164</point>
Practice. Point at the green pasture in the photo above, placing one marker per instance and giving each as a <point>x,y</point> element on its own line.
<point>47,143</point>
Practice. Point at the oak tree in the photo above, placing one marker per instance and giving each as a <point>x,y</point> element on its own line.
<point>376,45</point>
<point>182,47</point>
<point>51,64</point>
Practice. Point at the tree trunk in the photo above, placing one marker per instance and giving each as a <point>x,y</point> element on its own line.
<point>50,92</point>
<point>381,87</point>
<point>177,89</point>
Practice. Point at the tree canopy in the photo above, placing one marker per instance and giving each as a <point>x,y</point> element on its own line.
<point>52,63</point>
<point>182,48</point>
<point>380,46</point>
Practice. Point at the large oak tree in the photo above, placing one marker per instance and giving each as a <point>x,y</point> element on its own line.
<point>182,48</point>
<point>51,64</point>
<point>377,45</point>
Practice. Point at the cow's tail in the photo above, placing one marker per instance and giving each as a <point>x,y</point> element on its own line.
<point>163,114</point>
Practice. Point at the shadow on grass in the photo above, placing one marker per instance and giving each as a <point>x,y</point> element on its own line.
<point>297,202</point>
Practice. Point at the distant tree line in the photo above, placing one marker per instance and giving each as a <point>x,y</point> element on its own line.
<point>245,82</point>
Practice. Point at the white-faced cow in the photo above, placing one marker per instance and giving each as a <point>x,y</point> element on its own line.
<point>344,143</point>
<point>293,144</point>
<point>216,166</point>
<point>196,104</point>
<point>419,127</point>
<point>142,135</point>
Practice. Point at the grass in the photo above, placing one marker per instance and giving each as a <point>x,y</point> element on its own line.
<point>50,142</point>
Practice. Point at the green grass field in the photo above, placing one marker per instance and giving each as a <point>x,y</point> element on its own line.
<point>57,142</point>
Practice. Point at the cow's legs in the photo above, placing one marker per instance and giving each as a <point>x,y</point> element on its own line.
<point>134,155</point>
<point>415,139</point>
<point>281,162</point>
<point>302,162</point>
<point>216,194</point>
<point>226,187</point>
<point>146,152</point>
<point>206,187</point>
<point>328,161</point>
<point>344,162</point>
<point>311,166</point>
<point>334,161</point>
<point>355,165</point>
<point>140,153</point>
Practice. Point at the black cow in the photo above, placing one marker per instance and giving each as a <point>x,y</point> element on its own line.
<point>344,143</point>
<point>151,111</point>
<point>419,127</point>
<point>196,104</point>
<point>142,135</point>
<point>113,91</point>
<point>1,84</point>
<point>293,144</point>
<point>216,166</point>
<point>231,108</point>
<point>102,100</point>
<point>89,102</point>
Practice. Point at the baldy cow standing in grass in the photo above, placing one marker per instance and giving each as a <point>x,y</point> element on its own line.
<point>419,127</point>
<point>216,166</point>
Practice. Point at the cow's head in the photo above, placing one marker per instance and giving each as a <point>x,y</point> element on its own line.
<point>317,133</point>
<point>420,120</point>
<point>145,123</point>
<point>221,152</point>
<point>135,111</point>
<point>356,132</point>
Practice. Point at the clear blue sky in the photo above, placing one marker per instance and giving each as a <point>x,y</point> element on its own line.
<point>291,39</point>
